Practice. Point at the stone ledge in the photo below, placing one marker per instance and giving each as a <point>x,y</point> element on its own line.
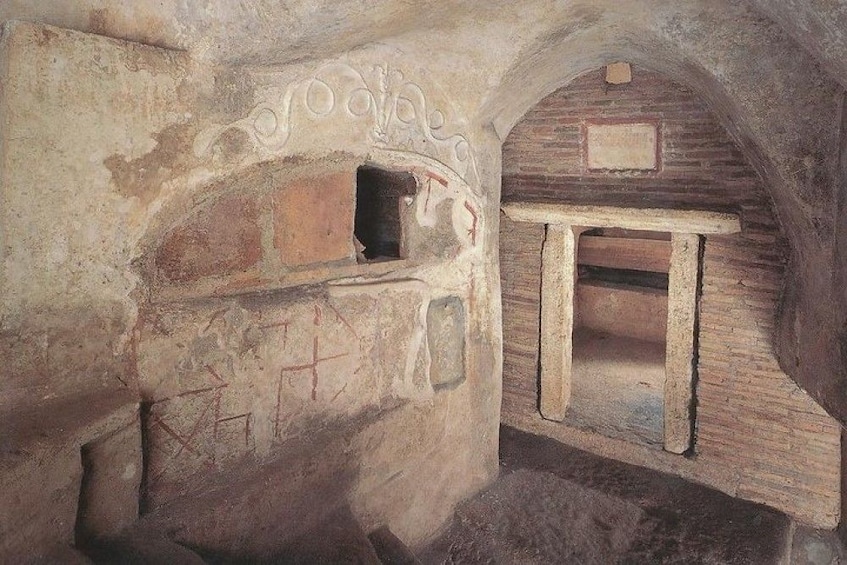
<point>250,284</point>
<point>29,430</point>
<point>649,219</point>
<point>41,467</point>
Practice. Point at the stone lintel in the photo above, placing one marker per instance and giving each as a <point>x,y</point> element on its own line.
<point>648,219</point>
<point>679,357</point>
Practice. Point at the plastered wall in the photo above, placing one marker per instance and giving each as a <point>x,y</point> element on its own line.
<point>153,213</point>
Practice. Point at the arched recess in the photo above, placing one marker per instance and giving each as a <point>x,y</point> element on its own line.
<point>267,342</point>
<point>440,211</point>
<point>742,393</point>
<point>774,131</point>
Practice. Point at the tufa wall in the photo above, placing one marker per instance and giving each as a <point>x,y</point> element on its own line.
<point>758,435</point>
<point>180,267</point>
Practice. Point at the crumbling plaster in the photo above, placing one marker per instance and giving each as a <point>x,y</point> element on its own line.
<point>109,144</point>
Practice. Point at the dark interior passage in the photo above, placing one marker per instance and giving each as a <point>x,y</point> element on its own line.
<point>378,199</point>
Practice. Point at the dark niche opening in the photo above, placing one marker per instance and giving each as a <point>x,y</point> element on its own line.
<point>619,337</point>
<point>378,227</point>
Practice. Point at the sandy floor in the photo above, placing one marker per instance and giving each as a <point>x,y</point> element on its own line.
<point>552,504</point>
<point>617,387</point>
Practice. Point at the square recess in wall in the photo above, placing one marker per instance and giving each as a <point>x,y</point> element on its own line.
<point>445,323</point>
<point>622,146</point>
<point>378,225</point>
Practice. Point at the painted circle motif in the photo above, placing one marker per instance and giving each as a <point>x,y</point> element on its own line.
<point>463,150</point>
<point>359,102</point>
<point>265,123</point>
<point>320,98</point>
<point>436,120</point>
<point>405,110</point>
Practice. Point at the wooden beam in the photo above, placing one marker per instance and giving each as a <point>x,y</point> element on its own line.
<point>652,255</point>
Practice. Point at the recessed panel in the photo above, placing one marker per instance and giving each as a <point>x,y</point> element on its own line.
<point>621,147</point>
<point>445,320</point>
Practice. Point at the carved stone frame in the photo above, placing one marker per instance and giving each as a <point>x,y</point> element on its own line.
<point>564,223</point>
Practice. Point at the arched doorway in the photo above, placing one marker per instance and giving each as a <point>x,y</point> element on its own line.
<point>750,416</point>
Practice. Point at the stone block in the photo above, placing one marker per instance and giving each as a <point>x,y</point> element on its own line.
<point>224,238</point>
<point>618,73</point>
<point>558,280</point>
<point>445,322</point>
<point>621,310</point>
<point>313,220</point>
<point>620,147</point>
<point>263,370</point>
<point>41,471</point>
<point>38,495</point>
<point>683,285</point>
<point>108,499</point>
<point>427,242</point>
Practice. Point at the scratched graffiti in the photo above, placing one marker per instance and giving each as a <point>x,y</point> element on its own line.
<point>236,379</point>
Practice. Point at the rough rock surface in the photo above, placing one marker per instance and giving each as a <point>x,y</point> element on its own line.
<point>555,504</point>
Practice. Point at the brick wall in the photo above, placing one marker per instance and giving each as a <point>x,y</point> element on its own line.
<point>758,435</point>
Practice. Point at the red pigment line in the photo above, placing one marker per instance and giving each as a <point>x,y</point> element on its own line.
<point>210,460</point>
<point>177,438</point>
<point>331,357</point>
<point>192,392</point>
<point>337,394</point>
<point>197,424</point>
<point>217,414</point>
<point>315,369</point>
<point>318,315</point>
<point>284,325</point>
<point>343,320</point>
<point>298,367</point>
<point>472,231</point>
<point>439,178</point>
<point>278,403</point>
<point>428,191</point>
<point>247,430</point>
<point>216,375</point>
<point>212,319</point>
<point>230,418</point>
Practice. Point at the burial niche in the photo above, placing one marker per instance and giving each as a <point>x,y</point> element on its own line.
<point>378,226</point>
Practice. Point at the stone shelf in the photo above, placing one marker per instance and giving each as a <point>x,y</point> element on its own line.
<point>647,219</point>
<point>254,282</point>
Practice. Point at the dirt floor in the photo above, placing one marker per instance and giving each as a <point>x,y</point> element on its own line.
<point>552,504</point>
<point>555,504</point>
<point>617,387</point>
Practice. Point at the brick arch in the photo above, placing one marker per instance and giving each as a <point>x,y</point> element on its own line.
<point>750,415</point>
<point>774,128</point>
